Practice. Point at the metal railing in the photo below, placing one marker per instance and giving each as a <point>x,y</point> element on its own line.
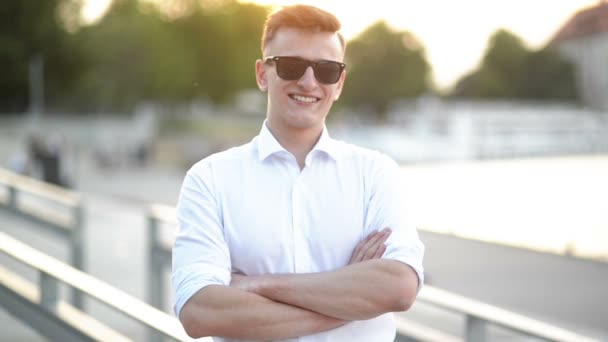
<point>159,252</point>
<point>51,310</point>
<point>478,315</point>
<point>61,212</point>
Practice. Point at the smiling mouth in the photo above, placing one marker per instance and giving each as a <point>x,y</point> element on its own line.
<point>305,99</point>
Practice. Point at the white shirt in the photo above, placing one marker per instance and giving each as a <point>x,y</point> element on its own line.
<point>251,209</point>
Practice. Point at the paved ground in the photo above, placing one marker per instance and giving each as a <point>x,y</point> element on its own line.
<point>571,293</point>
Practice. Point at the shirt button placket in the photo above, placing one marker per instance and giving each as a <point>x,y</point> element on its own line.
<point>300,254</point>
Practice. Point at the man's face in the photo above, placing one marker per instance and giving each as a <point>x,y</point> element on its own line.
<point>301,104</point>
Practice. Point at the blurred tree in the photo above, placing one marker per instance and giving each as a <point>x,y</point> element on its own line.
<point>510,70</point>
<point>505,60</point>
<point>32,29</point>
<point>132,56</point>
<point>224,39</point>
<point>501,71</point>
<point>549,76</point>
<point>384,65</point>
<point>170,52</point>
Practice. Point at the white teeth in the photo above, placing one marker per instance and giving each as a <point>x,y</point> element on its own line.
<point>304,98</point>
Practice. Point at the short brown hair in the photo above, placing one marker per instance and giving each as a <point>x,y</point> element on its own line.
<point>301,17</point>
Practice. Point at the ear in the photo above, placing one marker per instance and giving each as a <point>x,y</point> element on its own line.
<point>260,75</point>
<point>340,85</point>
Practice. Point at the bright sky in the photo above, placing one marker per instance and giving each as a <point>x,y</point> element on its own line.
<point>455,33</point>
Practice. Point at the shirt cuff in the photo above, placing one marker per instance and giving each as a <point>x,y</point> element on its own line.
<point>189,280</point>
<point>414,264</point>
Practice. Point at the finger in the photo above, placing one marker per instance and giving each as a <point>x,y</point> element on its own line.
<point>376,244</point>
<point>386,234</point>
<point>373,240</point>
<point>370,246</point>
<point>358,253</point>
<point>369,249</point>
<point>356,256</point>
<point>380,252</point>
<point>362,247</point>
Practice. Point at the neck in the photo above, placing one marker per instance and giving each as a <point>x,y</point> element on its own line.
<point>298,142</point>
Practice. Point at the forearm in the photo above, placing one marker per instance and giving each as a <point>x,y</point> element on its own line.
<point>359,291</point>
<point>234,313</point>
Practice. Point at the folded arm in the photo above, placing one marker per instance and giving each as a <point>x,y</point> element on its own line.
<point>364,289</point>
<point>233,313</point>
<point>355,292</point>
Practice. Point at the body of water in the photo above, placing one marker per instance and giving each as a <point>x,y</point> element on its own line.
<point>556,205</point>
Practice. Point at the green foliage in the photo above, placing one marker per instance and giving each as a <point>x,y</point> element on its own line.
<point>174,51</point>
<point>510,70</point>
<point>168,52</point>
<point>31,29</point>
<point>549,76</point>
<point>384,65</point>
<point>139,53</point>
<point>132,56</point>
<point>225,44</point>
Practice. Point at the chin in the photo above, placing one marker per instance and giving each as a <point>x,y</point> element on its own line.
<point>301,122</point>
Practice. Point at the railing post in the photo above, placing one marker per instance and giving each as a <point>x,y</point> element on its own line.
<point>49,291</point>
<point>154,273</point>
<point>77,253</point>
<point>475,329</point>
<point>12,197</point>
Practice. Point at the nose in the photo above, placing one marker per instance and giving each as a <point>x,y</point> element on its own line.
<point>308,80</point>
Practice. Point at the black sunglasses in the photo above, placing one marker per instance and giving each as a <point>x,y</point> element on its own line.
<point>293,68</point>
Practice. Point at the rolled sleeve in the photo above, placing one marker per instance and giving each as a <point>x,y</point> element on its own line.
<point>408,251</point>
<point>386,209</point>
<point>200,254</point>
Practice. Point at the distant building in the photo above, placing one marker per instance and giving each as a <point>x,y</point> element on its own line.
<point>584,41</point>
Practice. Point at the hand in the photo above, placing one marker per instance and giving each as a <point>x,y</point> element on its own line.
<point>372,247</point>
<point>241,281</point>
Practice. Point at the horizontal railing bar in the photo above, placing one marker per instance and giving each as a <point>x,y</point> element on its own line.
<point>419,332</point>
<point>120,301</point>
<point>25,302</point>
<point>65,222</point>
<point>57,226</point>
<point>39,188</point>
<point>498,316</point>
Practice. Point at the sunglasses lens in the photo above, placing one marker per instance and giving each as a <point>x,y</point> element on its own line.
<point>328,72</point>
<point>291,69</point>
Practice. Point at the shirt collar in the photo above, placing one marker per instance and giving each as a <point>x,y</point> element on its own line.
<point>268,144</point>
<point>327,144</point>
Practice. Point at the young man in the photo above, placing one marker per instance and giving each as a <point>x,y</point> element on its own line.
<point>295,236</point>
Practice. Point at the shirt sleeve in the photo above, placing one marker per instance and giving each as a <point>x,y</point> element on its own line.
<point>200,254</point>
<point>386,208</point>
